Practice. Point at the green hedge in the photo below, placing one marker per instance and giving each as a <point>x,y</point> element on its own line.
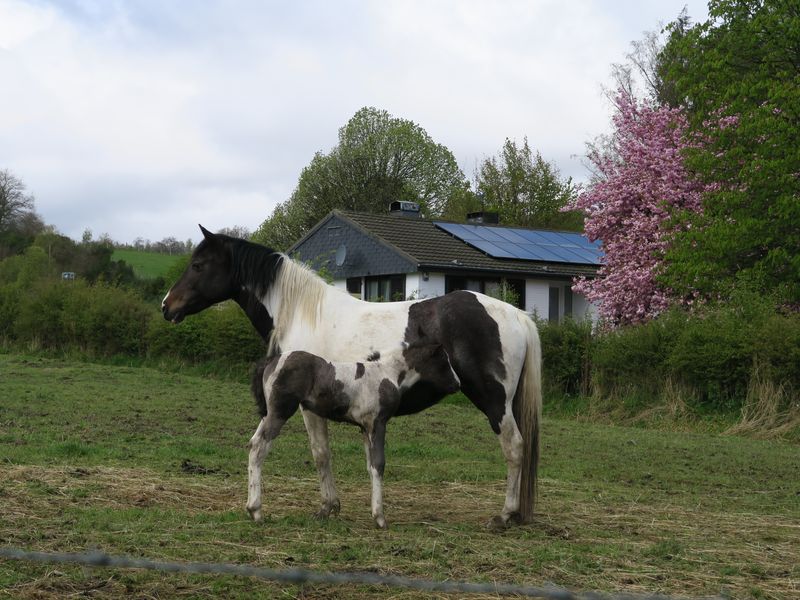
<point>219,334</point>
<point>103,321</point>
<point>100,320</point>
<point>711,353</point>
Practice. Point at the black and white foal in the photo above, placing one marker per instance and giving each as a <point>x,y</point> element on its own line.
<point>366,394</point>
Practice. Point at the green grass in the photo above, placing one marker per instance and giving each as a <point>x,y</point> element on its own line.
<point>93,456</point>
<point>146,265</point>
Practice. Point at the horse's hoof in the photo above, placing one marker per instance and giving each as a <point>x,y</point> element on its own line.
<point>503,522</point>
<point>380,523</point>
<point>514,519</point>
<point>496,524</point>
<point>255,513</point>
<point>328,509</point>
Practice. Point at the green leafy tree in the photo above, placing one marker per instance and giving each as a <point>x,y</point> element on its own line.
<point>738,74</point>
<point>379,159</point>
<point>19,224</point>
<point>522,188</point>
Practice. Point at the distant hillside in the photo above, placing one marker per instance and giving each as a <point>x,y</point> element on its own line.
<point>147,265</point>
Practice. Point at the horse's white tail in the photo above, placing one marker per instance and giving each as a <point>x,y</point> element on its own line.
<point>528,414</point>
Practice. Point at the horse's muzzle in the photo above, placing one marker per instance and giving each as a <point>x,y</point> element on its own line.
<point>175,317</point>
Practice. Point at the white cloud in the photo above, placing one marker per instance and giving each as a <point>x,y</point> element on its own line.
<point>145,118</point>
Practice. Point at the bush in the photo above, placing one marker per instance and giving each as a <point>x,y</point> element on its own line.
<point>104,320</point>
<point>39,316</point>
<point>566,349</point>
<point>221,334</point>
<point>100,320</point>
<point>633,359</point>
<point>719,348</point>
<point>711,353</point>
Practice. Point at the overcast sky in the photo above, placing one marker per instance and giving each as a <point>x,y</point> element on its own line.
<point>144,118</point>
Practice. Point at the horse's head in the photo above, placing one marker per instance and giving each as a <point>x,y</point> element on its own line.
<point>208,279</point>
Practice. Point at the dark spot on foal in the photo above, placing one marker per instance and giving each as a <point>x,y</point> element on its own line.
<point>389,397</point>
<point>359,370</point>
<point>374,356</point>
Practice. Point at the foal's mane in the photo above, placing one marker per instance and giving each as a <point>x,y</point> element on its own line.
<point>289,289</point>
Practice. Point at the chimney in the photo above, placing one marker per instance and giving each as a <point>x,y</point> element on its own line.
<point>401,208</point>
<point>484,217</point>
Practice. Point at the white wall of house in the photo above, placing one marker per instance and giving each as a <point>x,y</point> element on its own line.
<point>583,309</point>
<point>537,299</point>
<point>424,285</point>
<point>537,295</point>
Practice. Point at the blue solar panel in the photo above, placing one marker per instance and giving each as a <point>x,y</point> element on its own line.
<point>527,244</point>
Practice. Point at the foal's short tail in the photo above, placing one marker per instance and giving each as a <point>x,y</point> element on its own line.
<point>528,413</point>
<point>257,386</point>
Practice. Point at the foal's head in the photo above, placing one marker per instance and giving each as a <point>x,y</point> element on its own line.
<point>207,279</point>
<point>432,363</point>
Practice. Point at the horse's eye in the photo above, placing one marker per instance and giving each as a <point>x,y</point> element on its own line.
<point>196,266</point>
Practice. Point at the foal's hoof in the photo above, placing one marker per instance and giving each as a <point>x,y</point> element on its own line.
<point>380,523</point>
<point>327,509</point>
<point>255,513</point>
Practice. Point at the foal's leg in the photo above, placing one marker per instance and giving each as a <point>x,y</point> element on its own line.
<point>376,461</point>
<point>260,445</point>
<point>317,428</point>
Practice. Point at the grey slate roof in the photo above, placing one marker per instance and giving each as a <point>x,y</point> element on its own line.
<point>420,242</point>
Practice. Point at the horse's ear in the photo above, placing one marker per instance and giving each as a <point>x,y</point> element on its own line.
<point>210,237</point>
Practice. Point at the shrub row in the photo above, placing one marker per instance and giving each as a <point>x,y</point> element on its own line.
<point>711,353</point>
<point>103,321</point>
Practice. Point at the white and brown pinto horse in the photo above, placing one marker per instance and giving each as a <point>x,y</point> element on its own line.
<point>366,394</point>
<point>493,347</point>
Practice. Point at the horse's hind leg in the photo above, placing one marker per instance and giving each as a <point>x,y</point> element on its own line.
<point>511,443</point>
<point>260,445</point>
<point>376,461</point>
<point>317,428</point>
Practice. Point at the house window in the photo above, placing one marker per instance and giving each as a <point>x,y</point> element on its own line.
<point>388,288</point>
<point>553,312</point>
<point>484,285</point>
<point>354,286</point>
<point>567,301</point>
<point>490,286</point>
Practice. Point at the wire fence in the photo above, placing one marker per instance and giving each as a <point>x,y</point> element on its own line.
<point>303,576</point>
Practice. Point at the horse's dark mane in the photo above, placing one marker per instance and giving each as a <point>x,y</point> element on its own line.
<point>254,267</point>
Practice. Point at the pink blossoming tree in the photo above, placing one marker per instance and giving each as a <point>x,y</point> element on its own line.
<point>642,184</point>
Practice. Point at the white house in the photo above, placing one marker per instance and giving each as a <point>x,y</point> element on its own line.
<point>398,255</point>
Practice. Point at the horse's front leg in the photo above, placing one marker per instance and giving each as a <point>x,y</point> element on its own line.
<point>374,442</point>
<point>317,428</point>
<point>260,445</point>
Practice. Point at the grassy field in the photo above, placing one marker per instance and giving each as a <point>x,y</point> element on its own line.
<point>146,265</point>
<point>145,463</point>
